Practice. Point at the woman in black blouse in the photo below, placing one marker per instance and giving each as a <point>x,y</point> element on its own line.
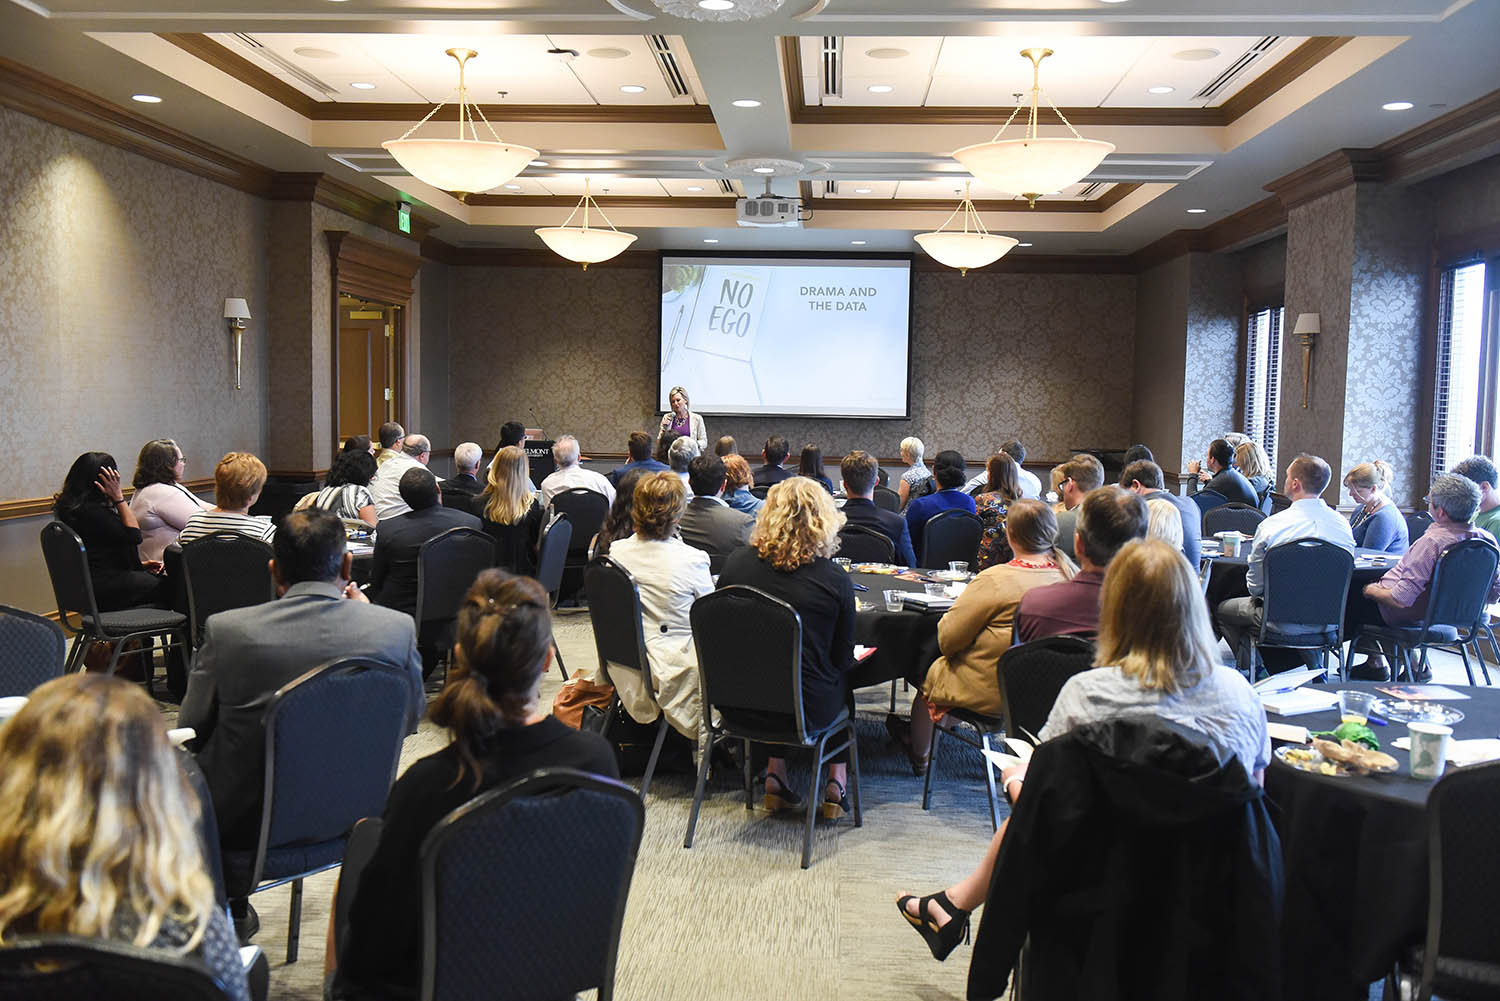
<point>509,513</point>
<point>92,503</point>
<point>789,558</point>
<point>500,733</point>
<point>811,466</point>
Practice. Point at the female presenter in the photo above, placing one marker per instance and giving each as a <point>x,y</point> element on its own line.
<point>682,420</point>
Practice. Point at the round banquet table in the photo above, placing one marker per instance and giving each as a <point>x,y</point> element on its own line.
<point>905,642</point>
<point>1226,578</point>
<point>1355,857</point>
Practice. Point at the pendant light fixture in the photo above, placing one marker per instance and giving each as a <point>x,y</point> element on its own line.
<point>1034,165</point>
<point>971,247</point>
<point>585,244</point>
<point>464,165</point>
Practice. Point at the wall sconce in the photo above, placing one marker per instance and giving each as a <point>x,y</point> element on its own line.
<point>236,311</point>
<point>1307,330</point>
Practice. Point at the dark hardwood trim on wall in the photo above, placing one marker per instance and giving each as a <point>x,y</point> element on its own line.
<point>523,257</point>
<point>1472,245</point>
<point>340,196</point>
<point>1101,204</point>
<point>605,201</point>
<point>1289,68</point>
<point>31,507</point>
<point>1326,175</point>
<point>1245,226</point>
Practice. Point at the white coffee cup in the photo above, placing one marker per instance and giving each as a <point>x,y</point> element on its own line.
<point>1230,541</point>
<point>1429,749</point>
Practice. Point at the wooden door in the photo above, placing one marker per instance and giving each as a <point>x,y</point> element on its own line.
<point>366,389</point>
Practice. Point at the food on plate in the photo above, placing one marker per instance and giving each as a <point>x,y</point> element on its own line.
<point>1359,733</point>
<point>1349,753</point>
<point>881,568</point>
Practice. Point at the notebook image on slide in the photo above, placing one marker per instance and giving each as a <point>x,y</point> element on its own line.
<point>726,313</point>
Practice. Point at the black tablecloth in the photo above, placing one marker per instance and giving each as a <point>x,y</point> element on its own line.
<point>905,641</point>
<point>1355,852</point>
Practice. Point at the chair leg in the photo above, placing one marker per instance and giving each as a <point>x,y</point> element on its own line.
<point>859,820</point>
<point>82,642</point>
<point>1422,665</point>
<point>703,760</point>
<point>989,778</point>
<point>932,743</point>
<point>814,800</point>
<point>661,735</point>
<point>294,922</point>
<point>1462,652</point>
<point>893,695</point>
<point>560,665</point>
<point>1495,647</point>
<point>749,779</point>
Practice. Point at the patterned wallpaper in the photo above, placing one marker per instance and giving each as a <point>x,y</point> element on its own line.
<point>1215,301</point>
<point>1045,358</point>
<point>1383,390</point>
<point>111,306</point>
<point>1319,266</point>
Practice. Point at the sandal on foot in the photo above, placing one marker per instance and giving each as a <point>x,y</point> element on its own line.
<point>835,809</point>
<point>941,941</point>
<point>784,798</point>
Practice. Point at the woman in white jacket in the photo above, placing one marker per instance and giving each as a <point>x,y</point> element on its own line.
<point>670,576</point>
<point>683,421</point>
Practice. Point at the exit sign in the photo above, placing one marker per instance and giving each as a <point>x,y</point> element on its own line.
<point>403,217</point>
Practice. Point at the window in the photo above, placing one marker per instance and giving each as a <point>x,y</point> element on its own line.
<point>1458,418</point>
<point>1263,377</point>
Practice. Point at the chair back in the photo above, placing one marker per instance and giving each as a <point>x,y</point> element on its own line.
<point>887,499</point>
<point>1031,676</point>
<point>950,536</point>
<point>333,740</point>
<point>615,610</point>
<point>749,647</point>
<point>1461,584</point>
<point>760,491</point>
<point>865,545</point>
<point>458,500</point>
<point>586,509</point>
<point>553,553</point>
<point>68,567</point>
<point>1207,500</point>
<point>446,567</point>
<point>485,866</point>
<point>1275,502</point>
<point>222,571</point>
<point>32,651</point>
<point>1417,523</point>
<point>1307,586</point>
<point>1232,517</point>
<point>69,967</point>
<point>1463,882</point>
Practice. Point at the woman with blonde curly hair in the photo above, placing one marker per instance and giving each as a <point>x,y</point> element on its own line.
<point>789,557</point>
<point>99,828</point>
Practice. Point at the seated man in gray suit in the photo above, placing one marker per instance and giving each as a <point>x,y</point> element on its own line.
<point>710,524</point>
<point>248,653</point>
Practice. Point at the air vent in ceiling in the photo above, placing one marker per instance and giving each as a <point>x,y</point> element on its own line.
<point>1090,190</point>
<point>726,186</point>
<point>290,68</point>
<point>1237,68</point>
<point>830,189</point>
<point>832,79</point>
<point>666,61</point>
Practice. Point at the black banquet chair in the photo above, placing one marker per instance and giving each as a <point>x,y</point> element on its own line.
<point>73,587</point>
<point>1460,957</point>
<point>760,491</point>
<point>750,659</point>
<point>586,510</point>
<point>1207,500</point>
<point>615,611</point>
<point>951,536</point>
<point>1417,523</point>
<point>447,564</point>
<point>552,553</point>
<point>977,730</point>
<point>1307,586</point>
<point>32,651</point>
<point>1232,517</point>
<point>865,545</point>
<point>1455,609</point>
<point>222,571</point>
<point>333,741</point>
<point>887,499</point>
<point>71,968</point>
<point>1032,675</point>
<point>487,864</point>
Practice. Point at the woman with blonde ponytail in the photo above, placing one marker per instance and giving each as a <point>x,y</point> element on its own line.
<point>500,733</point>
<point>1377,522</point>
<point>99,828</point>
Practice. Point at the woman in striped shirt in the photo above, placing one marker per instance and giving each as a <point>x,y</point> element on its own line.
<point>238,479</point>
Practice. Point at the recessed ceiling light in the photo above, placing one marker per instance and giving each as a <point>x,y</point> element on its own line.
<point>1160,90</point>
<point>1023,244</point>
<point>887,53</point>
<point>309,52</point>
<point>1196,211</point>
<point>1196,55</point>
<point>880,88</point>
<point>861,191</point>
<point>609,52</point>
<point>512,187</point>
<point>363,86</point>
<point>765,170</point>
<point>632,88</point>
<point>538,163</point>
<point>856,243</point>
<point>694,187</point>
<point>710,241</point>
<point>146,98</point>
<point>746,102</point>
<point>716,4</point>
<point>1396,106</point>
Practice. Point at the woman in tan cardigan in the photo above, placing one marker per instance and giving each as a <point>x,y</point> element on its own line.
<point>977,629</point>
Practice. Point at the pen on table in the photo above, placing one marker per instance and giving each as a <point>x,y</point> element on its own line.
<point>1377,721</point>
<point>858,587</point>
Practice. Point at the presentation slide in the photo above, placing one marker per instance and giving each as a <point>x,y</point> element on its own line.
<point>795,336</point>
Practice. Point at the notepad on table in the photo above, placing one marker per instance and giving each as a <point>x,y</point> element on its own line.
<point>1299,701</point>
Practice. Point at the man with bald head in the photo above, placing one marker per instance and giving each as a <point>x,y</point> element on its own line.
<point>385,485</point>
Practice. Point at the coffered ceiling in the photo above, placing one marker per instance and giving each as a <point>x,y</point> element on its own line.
<point>1206,101</point>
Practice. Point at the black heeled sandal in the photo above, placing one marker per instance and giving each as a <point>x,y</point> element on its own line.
<point>835,809</point>
<point>784,798</point>
<point>944,940</point>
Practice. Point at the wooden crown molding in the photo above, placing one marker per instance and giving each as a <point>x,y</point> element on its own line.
<point>1297,62</point>
<point>1037,264</point>
<point>31,507</point>
<point>1244,226</point>
<point>364,267</point>
<point>341,196</point>
<point>525,257</point>
<point>1326,175</point>
<point>605,201</point>
<point>276,89</point>
<point>1101,204</point>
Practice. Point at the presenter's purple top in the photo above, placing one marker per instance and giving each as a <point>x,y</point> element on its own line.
<point>683,426</point>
